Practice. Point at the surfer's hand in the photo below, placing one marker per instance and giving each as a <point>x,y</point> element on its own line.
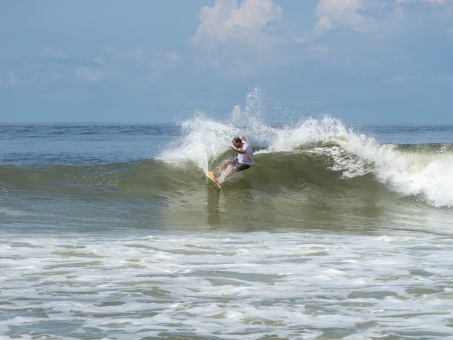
<point>244,139</point>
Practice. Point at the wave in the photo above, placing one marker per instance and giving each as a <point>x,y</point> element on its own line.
<point>321,156</point>
<point>316,185</point>
<point>313,177</point>
<point>326,145</point>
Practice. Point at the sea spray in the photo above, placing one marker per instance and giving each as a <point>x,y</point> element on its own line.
<point>202,141</point>
<point>307,131</point>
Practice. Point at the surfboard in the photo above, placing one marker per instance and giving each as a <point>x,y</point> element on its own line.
<point>210,175</point>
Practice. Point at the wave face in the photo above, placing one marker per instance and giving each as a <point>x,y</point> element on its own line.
<point>313,173</point>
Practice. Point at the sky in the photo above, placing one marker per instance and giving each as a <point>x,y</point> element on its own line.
<point>149,61</point>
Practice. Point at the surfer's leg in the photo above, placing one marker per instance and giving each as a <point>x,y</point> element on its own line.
<point>226,163</point>
<point>224,166</point>
<point>236,167</point>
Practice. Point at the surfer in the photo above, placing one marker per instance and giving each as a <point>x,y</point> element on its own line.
<point>243,161</point>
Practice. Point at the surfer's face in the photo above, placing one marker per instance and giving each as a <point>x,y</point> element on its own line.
<point>237,145</point>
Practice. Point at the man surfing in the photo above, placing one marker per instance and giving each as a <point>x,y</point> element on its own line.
<point>243,161</point>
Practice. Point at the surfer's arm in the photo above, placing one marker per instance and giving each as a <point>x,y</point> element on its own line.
<point>238,150</point>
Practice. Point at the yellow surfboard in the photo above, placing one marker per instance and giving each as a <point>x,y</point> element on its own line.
<point>210,175</point>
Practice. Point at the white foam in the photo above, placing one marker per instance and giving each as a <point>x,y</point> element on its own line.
<point>12,212</point>
<point>204,139</point>
<point>416,173</point>
<point>284,285</point>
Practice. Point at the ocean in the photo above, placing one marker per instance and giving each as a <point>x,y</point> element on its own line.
<point>112,231</point>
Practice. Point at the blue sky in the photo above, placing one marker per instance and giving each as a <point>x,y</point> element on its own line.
<point>363,61</point>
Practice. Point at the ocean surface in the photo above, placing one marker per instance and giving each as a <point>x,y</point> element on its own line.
<point>111,231</point>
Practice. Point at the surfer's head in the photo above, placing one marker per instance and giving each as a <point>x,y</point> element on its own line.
<point>237,142</point>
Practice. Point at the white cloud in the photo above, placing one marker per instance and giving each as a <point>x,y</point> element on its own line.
<point>434,2</point>
<point>442,7</point>
<point>238,38</point>
<point>228,21</point>
<point>334,13</point>
<point>368,16</point>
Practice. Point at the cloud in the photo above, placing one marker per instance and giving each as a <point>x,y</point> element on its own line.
<point>143,65</point>
<point>238,38</point>
<point>334,13</point>
<point>368,16</point>
<point>434,2</point>
<point>152,65</point>
<point>372,16</point>
<point>441,7</point>
<point>228,21</point>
